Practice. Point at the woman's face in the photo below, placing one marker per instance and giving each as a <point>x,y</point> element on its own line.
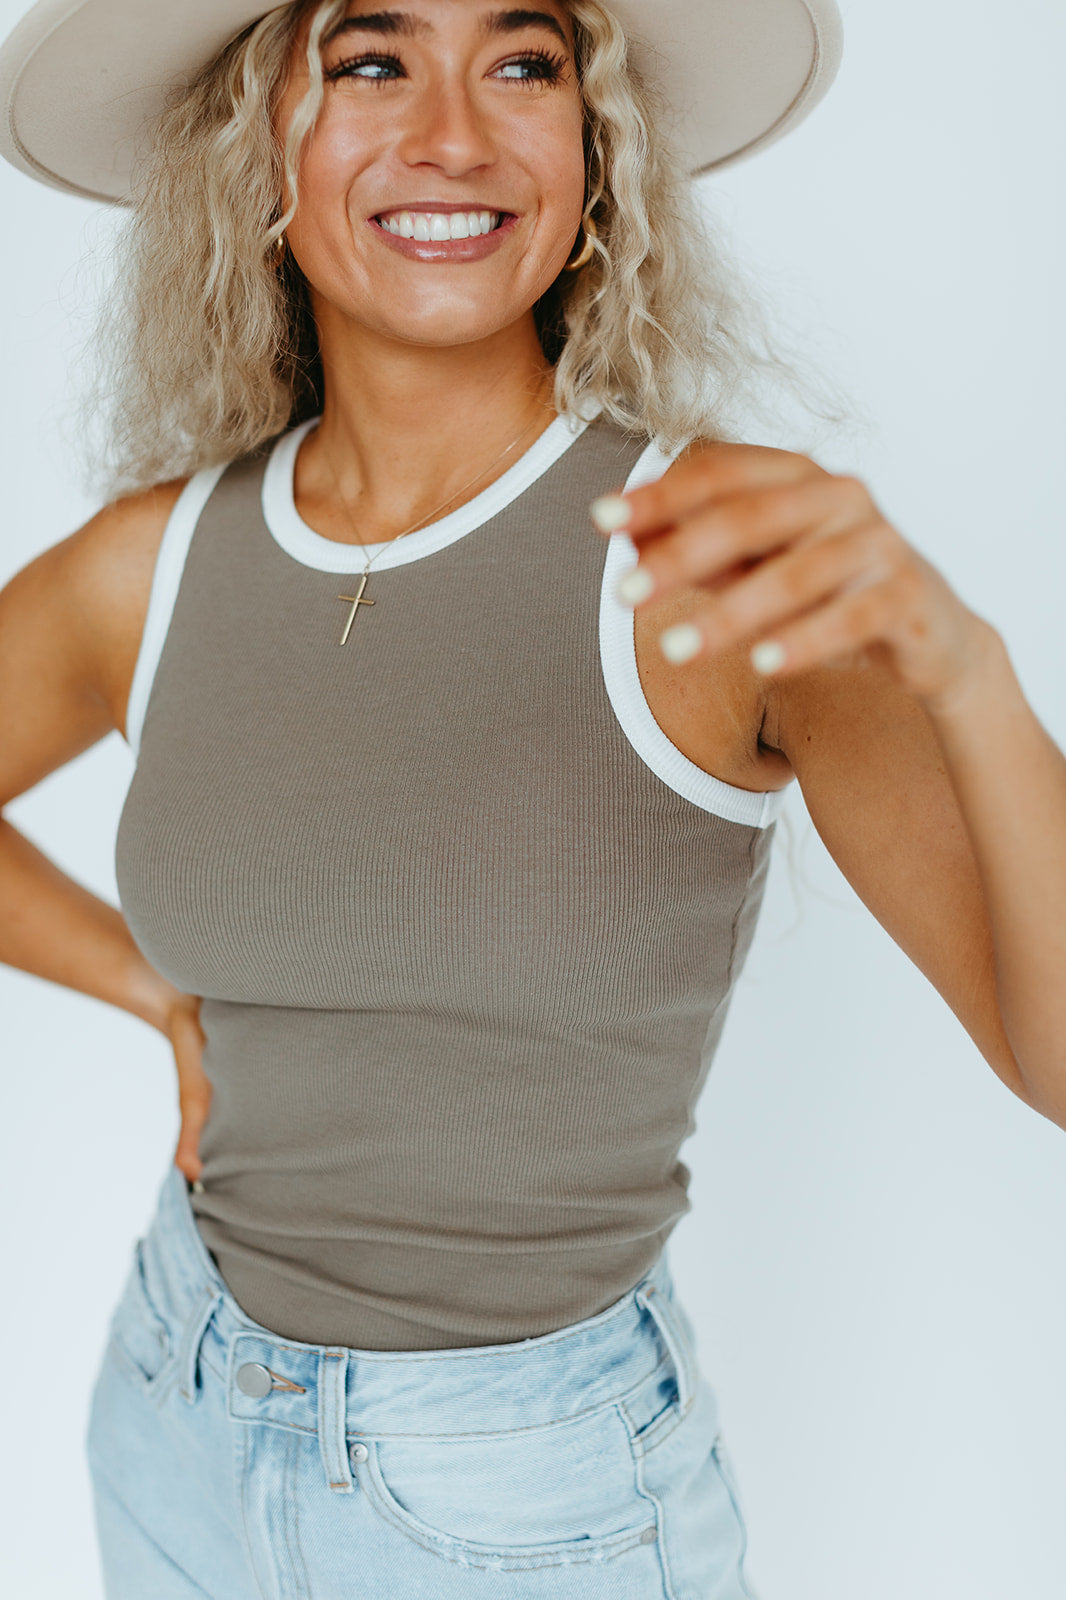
<point>440,118</point>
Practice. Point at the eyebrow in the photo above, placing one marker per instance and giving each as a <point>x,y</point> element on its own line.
<point>407,26</point>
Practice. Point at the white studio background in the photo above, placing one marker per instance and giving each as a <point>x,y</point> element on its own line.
<point>873,1259</point>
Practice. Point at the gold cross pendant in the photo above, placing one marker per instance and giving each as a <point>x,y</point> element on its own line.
<point>356,601</point>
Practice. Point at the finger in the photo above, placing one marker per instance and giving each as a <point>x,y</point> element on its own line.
<point>787,586</point>
<point>847,625</point>
<point>710,473</point>
<point>185,1028</point>
<point>186,1158</point>
<point>740,528</point>
<point>194,1109</point>
<point>194,1103</point>
<point>195,1091</point>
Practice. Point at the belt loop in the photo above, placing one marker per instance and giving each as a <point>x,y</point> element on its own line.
<point>332,1419</point>
<point>191,1339</point>
<point>654,1300</point>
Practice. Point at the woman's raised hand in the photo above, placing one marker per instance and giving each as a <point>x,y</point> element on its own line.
<point>798,561</point>
<point>194,1087</point>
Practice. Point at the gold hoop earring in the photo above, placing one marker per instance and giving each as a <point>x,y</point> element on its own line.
<point>279,250</point>
<point>585,254</point>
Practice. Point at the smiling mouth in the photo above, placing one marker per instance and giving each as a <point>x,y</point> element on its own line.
<point>439,226</point>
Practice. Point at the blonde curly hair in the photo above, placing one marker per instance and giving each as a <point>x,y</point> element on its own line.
<point>205,349</point>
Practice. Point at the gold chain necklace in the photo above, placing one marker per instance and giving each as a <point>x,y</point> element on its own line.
<point>358,598</point>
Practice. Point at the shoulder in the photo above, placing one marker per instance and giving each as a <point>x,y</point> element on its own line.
<point>715,712</point>
<point>848,731</point>
<point>112,563</point>
<point>89,593</point>
<point>122,537</point>
<point>70,629</point>
<point>106,567</point>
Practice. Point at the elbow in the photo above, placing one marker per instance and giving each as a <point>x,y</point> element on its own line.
<point>1041,1084</point>
<point>1036,1075</point>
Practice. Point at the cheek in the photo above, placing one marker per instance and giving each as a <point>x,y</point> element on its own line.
<point>333,160</point>
<point>557,157</point>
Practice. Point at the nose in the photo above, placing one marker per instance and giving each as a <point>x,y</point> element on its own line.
<point>448,131</point>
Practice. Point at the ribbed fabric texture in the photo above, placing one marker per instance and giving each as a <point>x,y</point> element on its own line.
<point>464,957</point>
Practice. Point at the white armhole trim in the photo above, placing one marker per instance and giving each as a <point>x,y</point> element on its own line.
<point>618,659</point>
<point>166,580</point>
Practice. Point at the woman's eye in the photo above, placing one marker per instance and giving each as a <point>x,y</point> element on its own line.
<point>536,67</point>
<point>379,69</point>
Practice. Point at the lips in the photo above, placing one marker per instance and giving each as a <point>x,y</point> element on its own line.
<point>438,225</point>
<point>440,234</point>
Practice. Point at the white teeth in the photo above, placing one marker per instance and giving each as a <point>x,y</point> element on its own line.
<point>440,225</point>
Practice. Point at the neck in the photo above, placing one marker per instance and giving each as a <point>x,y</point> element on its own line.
<point>405,425</point>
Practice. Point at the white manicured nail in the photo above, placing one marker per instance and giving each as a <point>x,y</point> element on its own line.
<point>634,586</point>
<point>610,512</point>
<point>680,643</point>
<point>768,656</point>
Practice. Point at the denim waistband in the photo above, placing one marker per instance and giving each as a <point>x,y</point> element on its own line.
<point>340,1391</point>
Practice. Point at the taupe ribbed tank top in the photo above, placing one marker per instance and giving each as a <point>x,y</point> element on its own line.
<point>464,921</point>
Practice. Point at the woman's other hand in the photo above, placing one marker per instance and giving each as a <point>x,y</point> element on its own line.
<point>797,561</point>
<point>182,1028</point>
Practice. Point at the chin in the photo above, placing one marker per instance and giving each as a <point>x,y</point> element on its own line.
<point>449,325</point>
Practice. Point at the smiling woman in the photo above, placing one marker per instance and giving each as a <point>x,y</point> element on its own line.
<point>209,344</point>
<point>441,900</point>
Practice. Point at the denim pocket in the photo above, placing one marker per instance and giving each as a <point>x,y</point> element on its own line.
<point>533,1497</point>
<point>139,1338</point>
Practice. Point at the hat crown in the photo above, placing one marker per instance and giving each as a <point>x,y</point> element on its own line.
<point>83,82</point>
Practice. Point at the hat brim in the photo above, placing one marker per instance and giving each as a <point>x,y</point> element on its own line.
<point>82,82</point>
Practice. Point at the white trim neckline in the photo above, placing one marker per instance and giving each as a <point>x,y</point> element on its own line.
<point>311,549</point>
<point>617,648</point>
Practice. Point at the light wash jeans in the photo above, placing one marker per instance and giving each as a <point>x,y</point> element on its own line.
<point>231,1463</point>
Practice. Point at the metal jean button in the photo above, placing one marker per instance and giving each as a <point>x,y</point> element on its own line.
<point>357,1453</point>
<point>254,1379</point>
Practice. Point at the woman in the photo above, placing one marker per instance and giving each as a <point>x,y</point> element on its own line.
<point>458,903</point>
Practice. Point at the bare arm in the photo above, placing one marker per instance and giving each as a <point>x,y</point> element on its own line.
<point>945,826</point>
<point>926,772</point>
<point>70,629</point>
<point>1007,871</point>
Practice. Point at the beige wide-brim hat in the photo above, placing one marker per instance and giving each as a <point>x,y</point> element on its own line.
<point>82,82</point>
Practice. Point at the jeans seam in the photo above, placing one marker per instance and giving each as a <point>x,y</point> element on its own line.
<point>726,1476</point>
<point>658,1431</point>
<point>297,1570</point>
<point>243,1472</point>
<point>660,1524</point>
